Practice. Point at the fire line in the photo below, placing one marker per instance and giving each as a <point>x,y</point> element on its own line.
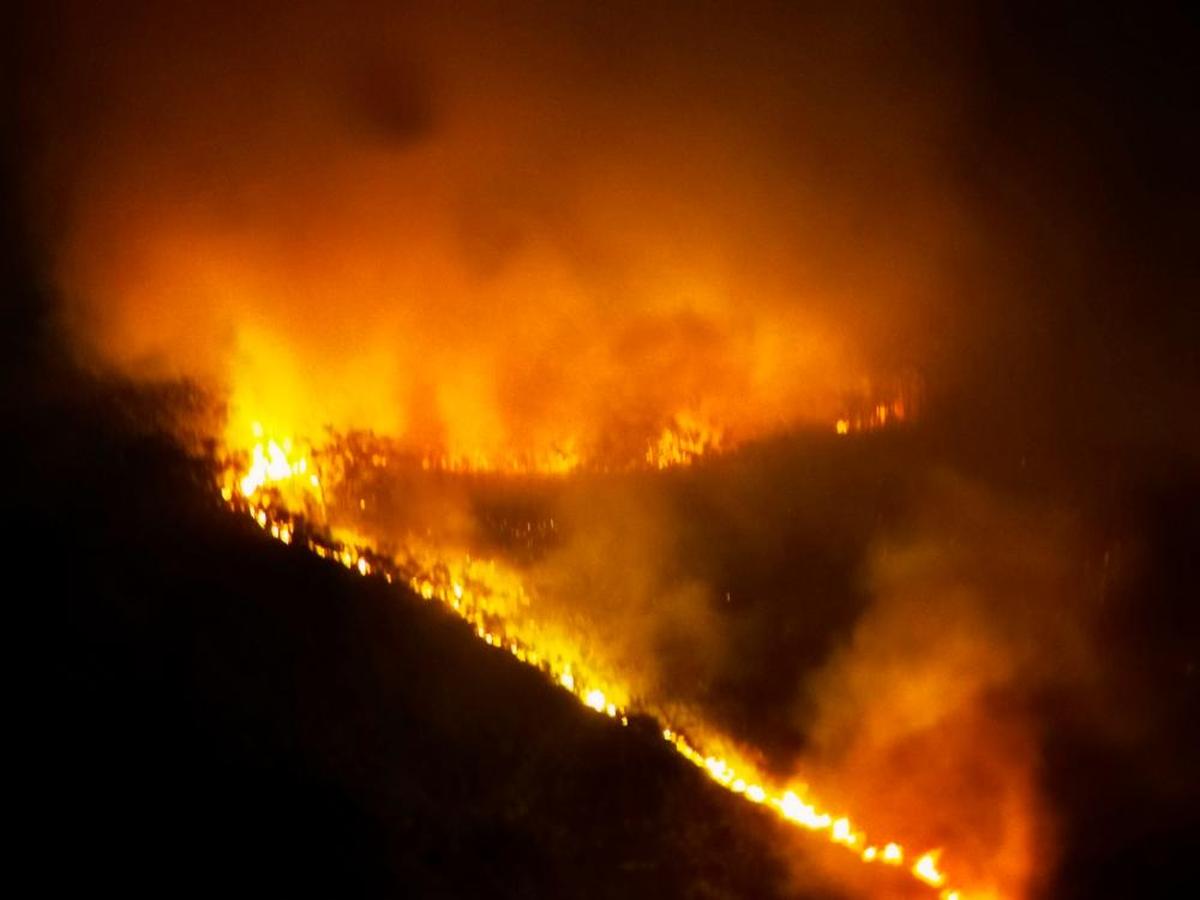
<point>465,588</point>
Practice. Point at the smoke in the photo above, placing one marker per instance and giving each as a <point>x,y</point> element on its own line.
<point>622,580</point>
<point>838,614</point>
<point>500,232</point>
<point>926,713</point>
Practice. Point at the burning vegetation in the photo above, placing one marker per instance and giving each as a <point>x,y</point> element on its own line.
<point>300,494</point>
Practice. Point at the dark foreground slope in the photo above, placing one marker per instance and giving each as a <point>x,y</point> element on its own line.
<point>214,712</point>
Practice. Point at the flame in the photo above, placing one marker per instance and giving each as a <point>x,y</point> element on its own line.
<point>686,439</point>
<point>271,466</point>
<point>927,870</point>
<point>484,594</point>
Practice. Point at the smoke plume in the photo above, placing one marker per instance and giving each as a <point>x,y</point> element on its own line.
<point>501,233</point>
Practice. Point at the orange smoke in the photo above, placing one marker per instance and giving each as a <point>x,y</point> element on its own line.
<point>462,232</point>
<point>925,706</point>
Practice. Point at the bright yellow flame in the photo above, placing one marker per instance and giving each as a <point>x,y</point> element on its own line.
<point>927,870</point>
<point>271,465</point>
<point>842,833</point>
<point>805,814</point>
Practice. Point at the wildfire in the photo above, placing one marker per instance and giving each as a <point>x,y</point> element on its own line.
<point>279,479</point>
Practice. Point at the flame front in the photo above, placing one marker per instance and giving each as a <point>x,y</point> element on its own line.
<point>279,488</point>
